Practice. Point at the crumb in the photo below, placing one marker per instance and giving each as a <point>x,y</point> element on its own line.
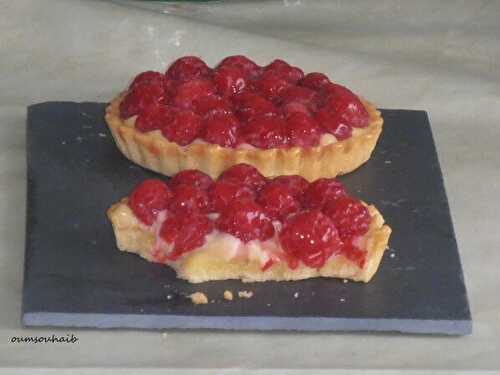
<point>142,310</point>
<point>245,294</point>
<point>392,255</point>
<point>268,305</point>
<point>102,135</point>
<point>164,334</point>
<point>296,295</point>
<point>342,300</point>
<point>228,295</point>
<point>212,301</point>
<point>198,298</point>
<point>345,281</point>
<point>387,162</point>
<point>169,297</point>
<point>63,142</point>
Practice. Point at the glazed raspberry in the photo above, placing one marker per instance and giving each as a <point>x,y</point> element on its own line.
<point>302,130</point>
<point>191,177</point>
<point>140,98</point>
<point>155,118</point>
<point>278,200</point>
<point>314,81</point>
<point>187,68</point>
<point>191,91</point>
<point>311,237</point>
<point>284,70</point>
<point>346,106</point>
<point>243,63</point>
<point>222,193</point>
<point>349,215</point>
<point>295,107</point>
<point>229,80</point>
<point>220,130</point>
<point>245,219</point>
<point>188,198</point>
<point>271,85</point>
<point>334,123</point>
<point>302,95</point>
<point>186,231</point>
<point>321,191</point>
<point>146,77</point>
<point>354,254</point>
<point>244,174</point>
<point>183,129</point>
<point>149,198</point>
<point>296,184</point>
<point>265,132</point>
<point>211,105</point>
<point>250,105</point>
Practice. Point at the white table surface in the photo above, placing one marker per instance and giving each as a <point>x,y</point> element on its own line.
<point>443,58</point>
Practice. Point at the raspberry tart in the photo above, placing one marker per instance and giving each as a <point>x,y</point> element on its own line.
<point>246,226</point>
<point>274,117</point>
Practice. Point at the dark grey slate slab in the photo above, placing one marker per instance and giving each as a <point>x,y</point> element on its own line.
<point>75,276</point>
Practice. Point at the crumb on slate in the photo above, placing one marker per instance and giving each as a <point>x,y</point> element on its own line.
<point>296,295</point>
<point>392,255</point>
<point>345,281</point>
<point>342,300</point>
<point>228,295</point>
<point>198,298</point>
<point>169,297</point>
<point>245,294</point>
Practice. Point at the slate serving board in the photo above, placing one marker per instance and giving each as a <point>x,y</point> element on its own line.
<point>75,276</point>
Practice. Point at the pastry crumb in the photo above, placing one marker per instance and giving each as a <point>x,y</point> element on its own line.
<point>164,334</point>
<point>199,298</point>
<point>228,295</point>
<point>392,255</point>
<point>345,281</point>
<point>342,300</point>
<point>169,297</point>
<point>245,294</point>
<point>296,295</point>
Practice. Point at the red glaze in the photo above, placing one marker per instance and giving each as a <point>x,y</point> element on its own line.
<point>244,174</point>
<point>243,63</point>
<point>314,81</point>
<point>191,91</point>
<point>302,130</point>
<point>187,68</point>
<point>354,254</point>
<point>265,132</point>
<point>303,95</point>
<point>148,199</point>
<point>157,117</point>
<point>321,191</point>
<point>146,77</point>
<point>284,70</point>
<point>250,105</point>
<point>271,85</point>
<point>183,129</point>
<point>191,177</point>
<point>349,215</point>
<point>295,184</point>
<point>332,123</point>
<point>189,198</point>
<point>221,129</point>
<point>142,97</point>
<point>346,106</point>
<point>229,80</point>
<point>212,105</point>
<point>223,192</point>
<point>278,200</point>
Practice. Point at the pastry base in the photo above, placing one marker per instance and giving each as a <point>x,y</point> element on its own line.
<point>153,151</point>
<point>210,262</point>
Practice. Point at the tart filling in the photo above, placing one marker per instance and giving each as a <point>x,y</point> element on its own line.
<point>247,227</point>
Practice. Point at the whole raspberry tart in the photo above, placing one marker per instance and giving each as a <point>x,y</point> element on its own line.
<point>246,226</point>
<point>274,117</point>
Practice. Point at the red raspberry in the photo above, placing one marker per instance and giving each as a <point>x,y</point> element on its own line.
<point>222,193</point>
<point>140,98</point>
<point>284,70</point>
<point>191,177</point>
<point>187,68</point>
<point>229,80</point>
<point>221,130</point>
<point>278,200</point>
<point>311,237</point>
<point>245,219</point>
<point>146,77</point>
<point>321,191</point>
<point>349,215</point>
<point>345,107</point>
<point>191,91</point>
<point>186,231</point>
<point>295,107</point>
<point>249,105</point>
<point>354,254</point>
<point>155,118</point>
<point>188,198</point>
<point>333,123</point>
<point>265,132</point>
<point>296,184</point>
<point>302,95</point>
<point>243,63</point>
<point>302,130</point>
<point>149,198</point>
<point>314,81</point>
<point>211,105</point>
<point>271,85</point>
<point>244,174</point>
<point>183,129</point>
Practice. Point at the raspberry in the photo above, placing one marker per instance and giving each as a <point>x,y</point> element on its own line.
<point>265,132</point>
<point>155,118</point>
<point>284,70</point>
<point>354,254</point>
<point>191,177</point>
<point>349,215</point>
<point>345,107</point>
<point>321,191</point>
<point>211,105</point>
<point>314,81</point>
<point>191,91</point>
<point>289,109</point>
<point>188,198</point>
<point>302,95</point>
<point>229,80</point>
<point>220,130</point>
<point>149,198</point>
<point>183,129</point>
<point>245,219</point>
<point>140,98</point>
<point>311,237</point>
<point>186,232</point>
<point>271,85</point>
<point>334,124</point>
<point>295,184</point>
<point>302,130</point>
<point>222,193</point>
<point>244,174</point>
<point>249,105</point>
<point>243,63</point>
<point>187,68</point>
<point>278,200</point>
<point>146,77</point>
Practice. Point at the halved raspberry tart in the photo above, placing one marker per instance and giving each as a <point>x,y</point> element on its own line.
<point>245,226</point>
<point>275,118</point>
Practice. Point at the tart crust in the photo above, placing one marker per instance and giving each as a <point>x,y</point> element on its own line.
<point>210,263</point>
<point>153,151</point>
